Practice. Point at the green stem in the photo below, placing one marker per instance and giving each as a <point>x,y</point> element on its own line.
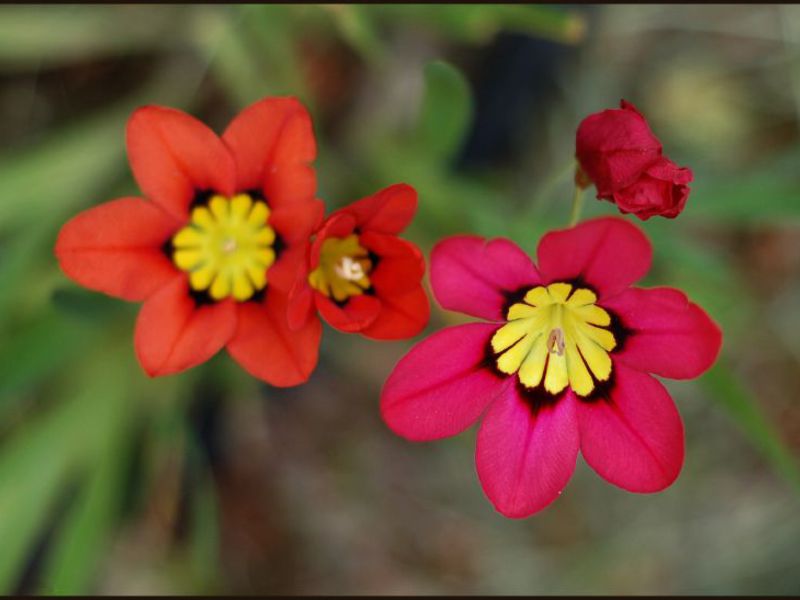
<point>577,206</point>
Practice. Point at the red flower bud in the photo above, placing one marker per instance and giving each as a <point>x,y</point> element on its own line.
<point>619,153</point>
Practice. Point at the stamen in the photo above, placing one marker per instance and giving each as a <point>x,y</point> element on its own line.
<point>343,270</point>
<point>556,337</point>
<point>555,341</point>
<point>349,269</point>
<point>227,247</point>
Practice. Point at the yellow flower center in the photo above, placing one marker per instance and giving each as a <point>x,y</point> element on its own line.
<point>343,268</point>
<point>558,335</point>
<point>227,247</point>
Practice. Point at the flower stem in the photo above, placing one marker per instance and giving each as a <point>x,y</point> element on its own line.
<point>577,206</point>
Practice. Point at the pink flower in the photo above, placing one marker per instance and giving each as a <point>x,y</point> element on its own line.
<point>619,153</point>
<point>563,363</point>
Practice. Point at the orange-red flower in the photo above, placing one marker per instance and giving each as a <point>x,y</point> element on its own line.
<point>215,243</point>
<point>361,277</point>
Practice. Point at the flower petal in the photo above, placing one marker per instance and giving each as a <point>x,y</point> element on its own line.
<point>357,313</point>
<point>442,385</point>
<point>173,333</point>
<point>115,248</point>
<point>296,222</point>
<point>294,225</point>
<point>608,253</point>
<point>173,155</point>
<point>614,147</point>
<point>661,190</point>
<point>265,346</point>
<point>633,437</point>
<point>400,267</point>
<point>667,334</point>
<point>401,316</point>
<point>474,276</point>
<point>387,211</point>
<point>525,456</point>
<point>272,142</point>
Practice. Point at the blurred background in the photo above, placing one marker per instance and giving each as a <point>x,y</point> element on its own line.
<point>210,482</point>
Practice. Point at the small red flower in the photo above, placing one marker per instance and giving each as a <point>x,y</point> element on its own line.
<point>563,364</point>
<point>619,153</point>
<point>361,277</point>
<point>214,246</point>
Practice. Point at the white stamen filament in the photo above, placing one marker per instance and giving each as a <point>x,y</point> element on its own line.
<point>349,269</point>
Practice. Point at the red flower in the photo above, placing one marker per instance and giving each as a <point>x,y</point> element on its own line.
<point>563,364</point>
<point>362,278</point>
<point>619,153</point>
<point>215,244</point>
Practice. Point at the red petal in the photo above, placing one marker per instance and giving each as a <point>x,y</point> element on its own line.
<point>662,190</point>
<point>265,346</point>
<point>173,334</point>
<point>669,335</point>
<point>400,317</point>
<point>614,147</point>
<point>301,305</point>
<point>609,254</point>
<point>401,265</point>
<point>356,314</point>
<point>173,155</point>
<point>272,142</point>
<point>116,248</point>
<point>338,225</point>
<point>634,437</point>
<point>388,211</point>
<point>294,225</point>
<point>296,222</point>
<point>524,456</point>
<point>473,275</point>
<point>442,385</point>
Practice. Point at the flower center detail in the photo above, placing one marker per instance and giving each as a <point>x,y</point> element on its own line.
<point>227,247</point>
<point>558,335</point>
<point>343,268</point>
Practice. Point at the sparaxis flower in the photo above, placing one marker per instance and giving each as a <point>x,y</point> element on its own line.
<point>213,246</point>
<point>563,362</point>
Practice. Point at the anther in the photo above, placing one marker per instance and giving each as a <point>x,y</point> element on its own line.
<point>555,341</point>
<point>229,245</point>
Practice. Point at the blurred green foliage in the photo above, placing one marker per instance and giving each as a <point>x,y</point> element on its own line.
<point>76,411</point>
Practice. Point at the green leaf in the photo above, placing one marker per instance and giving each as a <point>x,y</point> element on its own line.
<point>355,24</point>
<point>726,388</point>
<point>41,458</point>
<point>30,354</point>
<point>86,532</point>
<point>446,111</point>
<point>43,36</point>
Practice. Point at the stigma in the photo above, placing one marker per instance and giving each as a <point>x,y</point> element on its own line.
<point>556,336</point>
<point>227,247</point>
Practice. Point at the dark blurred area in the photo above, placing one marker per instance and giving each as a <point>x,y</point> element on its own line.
<point>210,482</point>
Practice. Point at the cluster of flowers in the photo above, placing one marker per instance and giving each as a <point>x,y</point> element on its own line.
<point>230,249</point>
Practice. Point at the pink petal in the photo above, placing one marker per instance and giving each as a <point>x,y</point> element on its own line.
<point>442,385</point>
<point>609,254</point>
<point>633,437</point>
<point>525,457</point>
<point>668,335</point>
<point>474,276</point>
